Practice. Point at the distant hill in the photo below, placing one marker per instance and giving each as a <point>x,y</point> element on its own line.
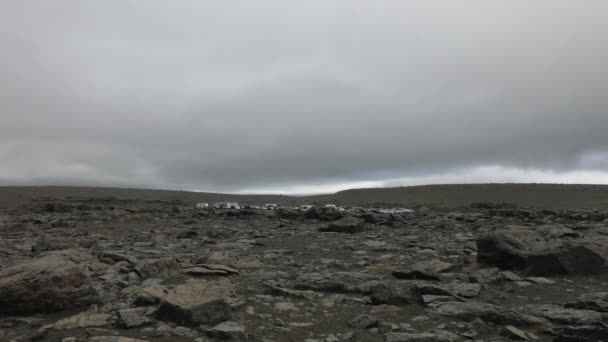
<point>528,195</point>
<point>12,196</point>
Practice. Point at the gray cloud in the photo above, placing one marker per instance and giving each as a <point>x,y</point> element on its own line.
<point>279,95</point>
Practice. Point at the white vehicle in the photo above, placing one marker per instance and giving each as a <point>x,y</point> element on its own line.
<point>331,206</point>
<point>226,205</point>
<point>270,206</point>
<point>202,205</point>
<point>306,207</point>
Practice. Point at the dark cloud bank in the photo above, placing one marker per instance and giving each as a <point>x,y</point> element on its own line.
<point>302,96</point>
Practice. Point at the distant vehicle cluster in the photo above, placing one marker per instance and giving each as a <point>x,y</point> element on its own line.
<point>305,207</point>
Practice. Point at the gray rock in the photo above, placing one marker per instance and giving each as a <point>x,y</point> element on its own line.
<point>185,332</point>
<point>415,275</point>
<point>438,336</point>
<point>229,331</point>
<point>585,333</point>
<point>114,339</point>
<point>82,320</point>
<point>488,312</point>
<point>131,318</point>
<point>514,333</point>
<point>160,268</point>
<point>558,232</point>
<point>454,289</point>
<point>425,270</point>
<point>45,245</point>
<point>527,249</point>
<point>209,269</point>
<point>591,301</point>
<point>509,248</point>
<point>493,276</point>
<point>558,314</point>
<point>434,299</point>
<point>117,256</point>
<point>383,293</point>
<point>582,258</point>
<point>363,321</point>
<point>50,283</point>
<point>346,225</point>
<point>288,214</point>
<point>434,266</point>
<point>194,303</point>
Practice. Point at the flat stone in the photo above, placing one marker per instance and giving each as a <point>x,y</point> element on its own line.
<point>232,331</point>
<point>488,312</point>
<point>455,289</point>
<point>209,269</point>
<point>194,303</point>
<point>285,306</point>
<point>82,320</point>
<point>514,333</point>
<point>558,314</point>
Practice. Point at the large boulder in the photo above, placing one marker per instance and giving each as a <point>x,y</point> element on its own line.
<point>527,250</point>
<point>288,214</point>
<point>508,248</point>
<point>54,282</point>
<point>582,257</point>
<point>194,303</point>
<point>323,214</point>
<point>346,225</point>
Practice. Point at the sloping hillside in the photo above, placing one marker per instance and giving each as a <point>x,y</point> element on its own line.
<point>533,195</point>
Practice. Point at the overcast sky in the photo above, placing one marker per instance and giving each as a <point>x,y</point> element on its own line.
<point>302,96</point>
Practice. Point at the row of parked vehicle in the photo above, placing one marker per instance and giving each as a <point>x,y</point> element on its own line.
<point>305,207</point>
<point>235,205</point>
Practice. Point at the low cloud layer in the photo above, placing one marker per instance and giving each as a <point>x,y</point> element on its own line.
<point>299,97</point>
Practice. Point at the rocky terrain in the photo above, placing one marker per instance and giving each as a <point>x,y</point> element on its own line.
<point>119,270</point>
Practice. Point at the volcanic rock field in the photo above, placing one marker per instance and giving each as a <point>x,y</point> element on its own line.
<point>119,270</point>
